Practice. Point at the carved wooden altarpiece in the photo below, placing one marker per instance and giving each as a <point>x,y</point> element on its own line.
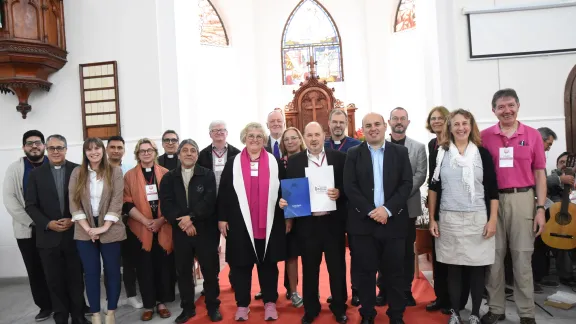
<point>313,101</point>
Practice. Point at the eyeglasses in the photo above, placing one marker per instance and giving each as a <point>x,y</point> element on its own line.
<point>33,143</point>
<point>148,151</point>
<point>218,130</point>
<point>436,119</point>
<point>395,119</point>
<point>170,140</point>
<point>254,137</point>
<point>293,138</point>
<point>53,149</point>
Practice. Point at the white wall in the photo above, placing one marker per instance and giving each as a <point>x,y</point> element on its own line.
<point>126,32</point>
<point>539,81</point>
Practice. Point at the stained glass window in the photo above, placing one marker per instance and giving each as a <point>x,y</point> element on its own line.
<point>310,32</point>
<point>212,31</point>
<point>406,15</point>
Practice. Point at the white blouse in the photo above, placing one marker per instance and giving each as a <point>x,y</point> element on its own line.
<point>96,188</point>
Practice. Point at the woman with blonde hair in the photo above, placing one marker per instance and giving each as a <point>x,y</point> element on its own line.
<point>251,221</point>
<point>435,125</point>
<point>95,192</point>
<point>463,205</point>
<point>150,234</point>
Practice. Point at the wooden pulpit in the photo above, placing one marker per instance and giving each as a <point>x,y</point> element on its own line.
<point>313,101</point>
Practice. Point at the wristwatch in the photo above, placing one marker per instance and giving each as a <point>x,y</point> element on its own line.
<point>540,206</point>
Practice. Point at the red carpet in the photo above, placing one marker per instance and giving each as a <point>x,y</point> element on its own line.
<point>421,288</point>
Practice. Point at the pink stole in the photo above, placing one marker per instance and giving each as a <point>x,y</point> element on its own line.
<point>259,203</point>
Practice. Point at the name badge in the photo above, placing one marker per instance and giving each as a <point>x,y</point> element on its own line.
<point>254,169</point>
<point>506,157</point>
<point>219,164</point>
<point>151,192</point>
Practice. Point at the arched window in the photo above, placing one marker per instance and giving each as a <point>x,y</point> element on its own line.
<point>310,32</point>
<point>405,15</point>
<point>212,31</point>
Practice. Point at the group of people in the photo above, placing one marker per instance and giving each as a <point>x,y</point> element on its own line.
<point>486,198</point>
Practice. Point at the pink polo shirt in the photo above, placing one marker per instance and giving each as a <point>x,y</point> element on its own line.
<point>528,155</point>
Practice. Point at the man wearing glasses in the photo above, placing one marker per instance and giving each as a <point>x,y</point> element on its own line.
<point>14,189</point>
<point>170,141</point>
<point>276,124</point>
<point>47,204</point>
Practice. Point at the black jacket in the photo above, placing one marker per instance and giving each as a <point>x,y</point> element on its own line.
<point>359,189</point>
<point>162,161</point>
<point>43,205</point>
<point>490,183</point>
<point>296,169</point>
<point>205,156</point>
<point>201,202</point>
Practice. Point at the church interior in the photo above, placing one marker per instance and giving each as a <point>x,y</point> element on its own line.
<point>87,68</point>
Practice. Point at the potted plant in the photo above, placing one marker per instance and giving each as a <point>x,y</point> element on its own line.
<point>360,135</point>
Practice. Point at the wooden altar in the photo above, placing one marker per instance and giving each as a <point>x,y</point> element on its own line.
<point>313,101</point>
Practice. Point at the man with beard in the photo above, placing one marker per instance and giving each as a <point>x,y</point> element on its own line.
<point>377,183</point>
<point>276,124</point>
<point>115,149</point>
<point>169,159</point>
<point>15,185</point>
<point>338,120</point>
<point>417,152</point>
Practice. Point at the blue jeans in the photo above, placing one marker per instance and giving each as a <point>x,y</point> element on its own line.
<point>90,255</point>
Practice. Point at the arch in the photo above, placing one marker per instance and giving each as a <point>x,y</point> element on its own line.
<point>212,30</point>
<point>405,15</point>
<point>309,32</point>
<point>570,110</point>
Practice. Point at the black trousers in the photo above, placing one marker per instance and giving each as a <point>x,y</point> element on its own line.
<point>267,276</point>
<point>155,272</point>
<point>36,276</point>
<point>333,246</point>
<point>206,250</point>
<point>476,280</point>
<point>441,283</point>
<point>371,253</point>
<point>353,275</point>
<point>128,266</point>
<point>408,261</point>
<point>63,270</point>
<point>540,260</point>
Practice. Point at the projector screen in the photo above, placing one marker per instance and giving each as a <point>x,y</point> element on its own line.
<point>522,31</point>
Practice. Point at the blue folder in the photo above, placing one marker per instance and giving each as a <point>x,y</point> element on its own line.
<point>297,193</point>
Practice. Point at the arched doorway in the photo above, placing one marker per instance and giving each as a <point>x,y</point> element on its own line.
<point>570,110</point>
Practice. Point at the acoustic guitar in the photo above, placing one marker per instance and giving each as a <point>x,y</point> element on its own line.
<point>560,230</point>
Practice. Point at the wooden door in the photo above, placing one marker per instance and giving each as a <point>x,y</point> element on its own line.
<point>570,111</point>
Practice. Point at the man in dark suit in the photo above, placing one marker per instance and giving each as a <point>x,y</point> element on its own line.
<point>47,205</point>
<point>322,232</point>
<point>377,183</point>
<point>170,141</point>
<point>188,201</point>
<point>276,125</point>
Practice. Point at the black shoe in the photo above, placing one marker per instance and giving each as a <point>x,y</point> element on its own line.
<point>538,289</point>
<point>258,296</point>
<point>341,319</point>
<point>81,320</point>
<point>288,294</point>
<point>570,282</point>
<point>355,301</point>
<point>43,315</point>
<point>215,316</point>
<point>549,283</point>
<point>445,311</point>
<point>307,319</point>
<point>508,291</point>
<point>491,318</point>
<point>329,299</point>
<point>185,316</point>
<point>527,320</point>
<point>434,306</point>
<point>410,301</point>
<point>202,293</point>
<point>367,320</point>
<point>381,300</point>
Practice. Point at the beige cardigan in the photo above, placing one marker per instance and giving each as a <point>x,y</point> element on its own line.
<point>110,204</point>
<point>13,198</point>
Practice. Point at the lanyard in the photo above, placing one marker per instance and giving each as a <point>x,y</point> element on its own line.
<point>219,155</point>
<point>151,181</point>
<point>321,162</point>
<point>341,144</point>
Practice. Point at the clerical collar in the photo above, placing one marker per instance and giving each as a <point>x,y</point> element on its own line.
<point>170,156</point>
<point>148,169</point>
<point>339,141</point>
<point>57,167</point>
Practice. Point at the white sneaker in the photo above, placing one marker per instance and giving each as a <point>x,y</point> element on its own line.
<point>134,302</point>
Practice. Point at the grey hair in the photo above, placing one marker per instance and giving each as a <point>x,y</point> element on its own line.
<point>250,126</point>
<point>187,141</point>
<point>337,112</point>
<point>57,137</point>
<point>216,122</point>
<point>546,133</point>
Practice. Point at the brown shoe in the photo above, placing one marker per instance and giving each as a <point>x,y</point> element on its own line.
<point>147,315</point>
<point>164,313</point>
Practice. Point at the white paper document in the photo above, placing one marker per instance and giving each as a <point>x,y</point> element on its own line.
<point>320,180</point>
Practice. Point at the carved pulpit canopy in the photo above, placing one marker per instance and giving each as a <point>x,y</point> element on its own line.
<point>32,46</point>
<point>313,101</point>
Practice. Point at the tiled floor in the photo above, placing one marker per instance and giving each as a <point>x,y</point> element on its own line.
<point>17,307</point>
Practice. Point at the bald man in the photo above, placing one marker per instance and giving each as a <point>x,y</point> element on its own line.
<point>323,232</point>
<point>276,125</point>
<point>377,183</point>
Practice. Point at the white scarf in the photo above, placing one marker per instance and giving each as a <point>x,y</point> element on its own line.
<point>467,162</point>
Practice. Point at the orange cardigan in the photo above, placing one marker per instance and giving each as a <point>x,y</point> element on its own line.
<point>134,192</point>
